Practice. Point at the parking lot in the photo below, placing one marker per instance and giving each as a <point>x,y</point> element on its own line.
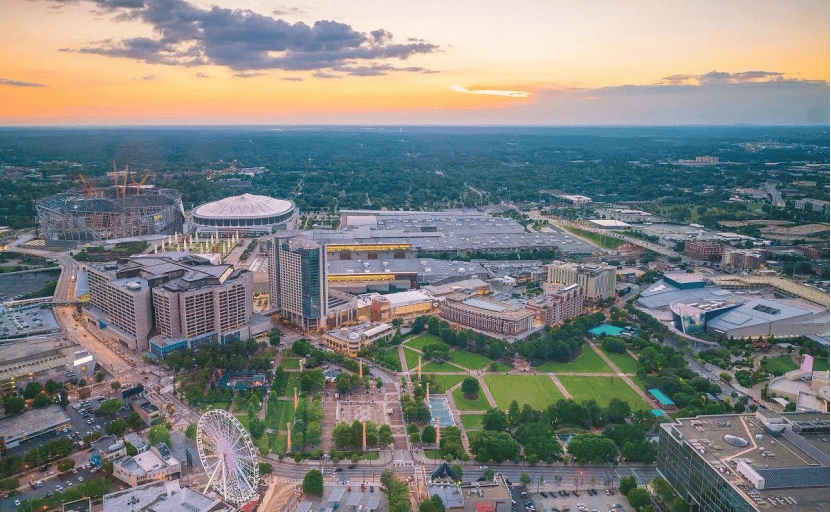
<point>581,500</point>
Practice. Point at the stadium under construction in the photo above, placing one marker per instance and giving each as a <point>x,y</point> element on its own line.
<point>115,212</point>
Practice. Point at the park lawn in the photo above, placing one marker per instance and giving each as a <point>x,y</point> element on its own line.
<point>821,364</point>
<point>422,340</point>
<point>244,420</point>
<point>500,367</point>
<point>411,357</point>
<point>464,404</point>
<point>286,414</point>
<point>624,361</point>
<point>433,454</point>
<point>392,355</point>
<point>589,361</point>
<point>290,363</point>
<point>472,421</point>
<point>278,443</point>
<point>440,367</point>
<point>602,390</point>
<point>536,390</point>
<point>445,380</point>
<point>293,382</point>
<point>779,365</point>
<point>468,360</point>
<point>639,382</point>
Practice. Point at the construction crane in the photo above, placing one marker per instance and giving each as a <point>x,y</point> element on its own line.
<point>89,187</point>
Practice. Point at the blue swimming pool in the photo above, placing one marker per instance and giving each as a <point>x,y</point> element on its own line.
<point>440,409</point>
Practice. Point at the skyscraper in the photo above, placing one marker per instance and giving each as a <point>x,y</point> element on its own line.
<point>297,281</point>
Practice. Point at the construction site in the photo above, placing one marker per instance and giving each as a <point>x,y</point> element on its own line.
<point>115,212</point>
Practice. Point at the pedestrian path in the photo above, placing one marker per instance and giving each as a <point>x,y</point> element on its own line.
<point>623,376</point>
<point>484,387</point>
<point>557,382</point>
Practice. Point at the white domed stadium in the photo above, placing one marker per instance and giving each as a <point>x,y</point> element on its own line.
<point>245,214</point>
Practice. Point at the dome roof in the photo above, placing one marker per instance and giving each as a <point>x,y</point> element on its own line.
<point>246,206</point>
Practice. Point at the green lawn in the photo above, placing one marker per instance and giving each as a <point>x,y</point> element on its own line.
<point>500,367</point>
<point>472,421</point>
<point>445,381</point>
<point>602,390</point>
<point>538,391</point>
<point>243,419</point>
<point>639,382</point>
<point>440,367</point>
<point>780,365</point>
<point>392,355</point>
<point>286,414</point>
<point>589,361</point>
<point>293,382</point>
<point>290,363</point>
<point>468,360</point>
<point>820,364</point>
<point>422,340</point>
<point>463,404</point>
<point>277,443</point>
<point>411,357</point>
<point>624,361</point>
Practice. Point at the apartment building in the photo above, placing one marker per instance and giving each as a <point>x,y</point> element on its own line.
<point>557,305</point>
<point>596,280</point>
<point>703,249</point>
<point>747,259</point>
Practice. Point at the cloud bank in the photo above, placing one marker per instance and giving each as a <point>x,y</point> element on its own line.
<point>245,41</point>
<point>493,92</point>
<point>19,83</point>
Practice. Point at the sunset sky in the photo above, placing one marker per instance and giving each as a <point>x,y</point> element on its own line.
<point>138,62</point>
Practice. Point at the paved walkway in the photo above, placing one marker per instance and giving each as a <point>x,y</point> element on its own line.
<point>623,376</point>
<point>487,392</point>
<point>560,386</point>
<point>457,415</point>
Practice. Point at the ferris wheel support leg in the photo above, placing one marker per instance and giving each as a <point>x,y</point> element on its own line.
<point>211,480</point>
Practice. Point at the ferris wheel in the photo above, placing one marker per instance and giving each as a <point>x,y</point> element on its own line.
<point>228,456</point>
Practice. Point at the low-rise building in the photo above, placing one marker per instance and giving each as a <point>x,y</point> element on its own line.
<point>349,341</point>
<point>154,465</point>
<point>411,303</point>
<point>162,496</point>
<point>487,315</point>
<point>32,424</point>
<point>107,448</point>
<point>557,305</point>
<point>812,205</point>
<point>148,411</point>
<point>487,496</point>
<point>135,440</point>
<point>750,462</point>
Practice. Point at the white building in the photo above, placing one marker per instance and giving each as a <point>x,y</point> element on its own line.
<point>154,465</point>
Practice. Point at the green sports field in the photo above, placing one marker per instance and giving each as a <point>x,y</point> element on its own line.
<point>537,391</point>
<point>602,390</point>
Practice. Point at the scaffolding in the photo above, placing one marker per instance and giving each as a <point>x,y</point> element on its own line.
<point>110,213</point>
